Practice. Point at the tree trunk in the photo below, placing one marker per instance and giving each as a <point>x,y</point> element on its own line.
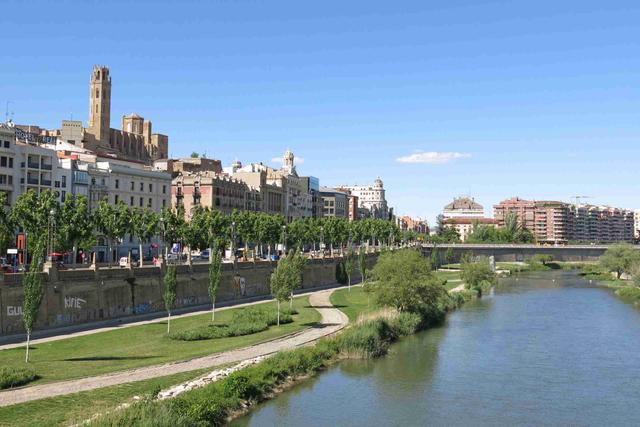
<point>278,308</point>
<point>140,261</point>
<point>168,322</point>
<point>291,303</point>
<point>26,359</point>
<point>213,311</point>
<point>349,281</point>
<point>189,260</point>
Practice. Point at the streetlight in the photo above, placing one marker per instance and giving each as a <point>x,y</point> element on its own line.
<point>233,241</point>
<point>322,240</point>
<point>284,239</point>
<point>163,248</point>
<point>52,232</point>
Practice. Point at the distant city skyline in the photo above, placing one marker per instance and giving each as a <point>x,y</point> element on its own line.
<point>484,99</point>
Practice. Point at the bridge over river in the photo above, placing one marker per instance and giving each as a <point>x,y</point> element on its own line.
<point>519,252</point>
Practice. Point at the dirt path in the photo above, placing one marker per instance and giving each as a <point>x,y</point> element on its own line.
<point>332,321</point>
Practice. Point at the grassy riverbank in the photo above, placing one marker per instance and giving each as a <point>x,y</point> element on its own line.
<point>75,408</point>
<point>214,403</point>
<point>143,345</point>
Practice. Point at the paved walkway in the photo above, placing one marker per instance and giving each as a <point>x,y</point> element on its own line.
<point>332,321</point>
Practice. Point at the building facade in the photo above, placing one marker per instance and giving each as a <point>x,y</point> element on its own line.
<point>371,198</point>
<point>335,203</point>
<point>464,224</point>
<point>463,207</point>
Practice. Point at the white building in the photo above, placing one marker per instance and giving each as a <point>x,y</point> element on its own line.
<point>371,198</point>
<point>636,223</point>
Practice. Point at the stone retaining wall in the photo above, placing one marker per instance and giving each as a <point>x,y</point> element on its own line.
<point>80,296</point>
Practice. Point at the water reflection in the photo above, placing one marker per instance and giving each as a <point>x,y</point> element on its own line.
<point>547,348</point>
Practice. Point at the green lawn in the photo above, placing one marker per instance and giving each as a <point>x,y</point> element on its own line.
<point>143,345</point>
<point>353,302</point>
<point>73,408</point>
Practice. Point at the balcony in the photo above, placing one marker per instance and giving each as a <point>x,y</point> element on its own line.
<point>46,166</point>
<point>46,182</point>
<point>33,165</point>
<point>33,181</point>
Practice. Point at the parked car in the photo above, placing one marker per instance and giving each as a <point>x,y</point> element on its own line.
<point>204,254</point>
<point>124,262</point>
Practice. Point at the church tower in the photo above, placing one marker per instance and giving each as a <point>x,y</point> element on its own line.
<point>100,103</point>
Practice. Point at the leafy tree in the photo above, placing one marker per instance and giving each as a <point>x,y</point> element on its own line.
<point>341,274</point>
<point>215,275</point>
<point>170,285</point>
<point>477,275</point>
<point>620,258</point>
<point>7,226</point>
<point>76,225</point>
<point>362,264</point>
<point>195,155</point>
<point>542,259</point>
<point>144,225</point>
<point>449,256</point>
<point>403,280</point>
<point>173,224</point>
<point>435,258</point>
<point>33,294</point>
<point>349,264</point>
<point>113,221</point>
<point>281,282</point>
<point>31,212</point>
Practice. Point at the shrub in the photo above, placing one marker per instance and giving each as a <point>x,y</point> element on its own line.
<point>246,321</point>
<point>629,293</point>
<point>406,324</point>
<point>368,339</point>
<point>15,377</point>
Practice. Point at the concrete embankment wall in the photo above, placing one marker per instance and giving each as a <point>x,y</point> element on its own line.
<point>74,297</point>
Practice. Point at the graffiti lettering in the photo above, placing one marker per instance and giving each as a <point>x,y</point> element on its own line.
<point>142,308</point>
<point>14,311</point>
<point>73,302</point>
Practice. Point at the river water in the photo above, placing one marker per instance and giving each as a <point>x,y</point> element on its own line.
<point>544,348</point>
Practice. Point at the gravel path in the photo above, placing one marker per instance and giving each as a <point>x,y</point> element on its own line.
<point>332,321</point>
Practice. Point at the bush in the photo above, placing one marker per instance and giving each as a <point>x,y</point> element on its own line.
<point>406,324</point>
<point>15,377</point>
<point>368,339</point>
<point>629,293</point>
<point>246,321</point>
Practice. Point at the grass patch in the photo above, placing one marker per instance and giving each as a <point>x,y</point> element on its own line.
<point>245,321</point>
<point>353,302</point>
<point>15,377</point>
<point>214,403</point>
<point>143,345</point>
<point>74,408</point>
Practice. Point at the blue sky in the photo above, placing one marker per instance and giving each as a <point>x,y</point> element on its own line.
<point>535,99</point>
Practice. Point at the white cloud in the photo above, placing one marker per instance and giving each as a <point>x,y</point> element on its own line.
<point>432,157</point>
<point>296,160</point>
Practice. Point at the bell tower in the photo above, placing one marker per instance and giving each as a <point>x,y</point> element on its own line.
<point>100,103</point>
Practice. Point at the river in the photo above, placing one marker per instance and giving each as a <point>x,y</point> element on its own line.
<point>542,349</point>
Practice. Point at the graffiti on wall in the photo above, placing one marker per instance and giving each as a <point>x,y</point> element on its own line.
<point>14,311</point>
<point>73,302</point>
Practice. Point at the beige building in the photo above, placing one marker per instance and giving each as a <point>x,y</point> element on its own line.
<point>464,225</point>
<point>335,203</point>
<point>372,199</point>
<point>217,192</point>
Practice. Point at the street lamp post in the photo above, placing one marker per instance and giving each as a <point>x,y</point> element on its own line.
<point>233,242</point>
<point>163,248</point>
<point>284,239</point>
<point>322,241</point>
<point>51,242</point>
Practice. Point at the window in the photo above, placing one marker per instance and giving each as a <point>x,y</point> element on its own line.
<point>102,182</point>
<point>164,203</point>
<point>64,181</point>
<point>57,184</point>
<point>150,187</point>
<point>64,194</point>
<point>132,186</point>
<point>115,199</point>
<point>93,181</point>
<point>142,186</point>
<point>117,183</point>
<point>3,161</point>
<point>7,144</point>
<point>131,201</point>
<point>149,203</point>
<point>141,201</point>
<point>10,180</point>
<point>10,162</point>
<point>164,189</point>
